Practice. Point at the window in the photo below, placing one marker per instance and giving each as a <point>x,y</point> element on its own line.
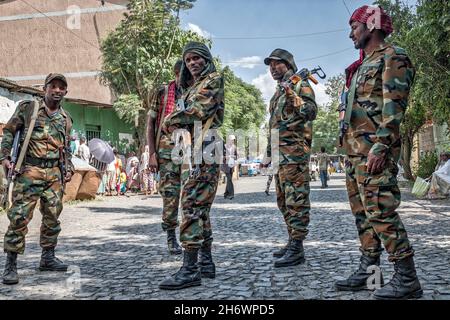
<point>92,132</point>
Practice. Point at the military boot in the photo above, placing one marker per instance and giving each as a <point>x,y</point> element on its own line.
<point>172,243</point>
<point>282,251</point>
<point>10,274</point>
<point>187,276</point>
<point>404,283</point>
<point>293,256</point>
<point>51,263</point>
<point>206,264</point>
<point>358,280</point>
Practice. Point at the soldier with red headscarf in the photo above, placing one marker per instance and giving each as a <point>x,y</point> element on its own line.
<point>378,88</point>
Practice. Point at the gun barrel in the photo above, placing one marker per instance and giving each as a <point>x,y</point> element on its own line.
<point>15,147</point>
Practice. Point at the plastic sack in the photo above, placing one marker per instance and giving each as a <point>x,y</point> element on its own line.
<point>420,188</point>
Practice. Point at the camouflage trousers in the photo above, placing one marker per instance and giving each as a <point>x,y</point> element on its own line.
<point>373,201</point>
<point>197,198</point>
<point>32,185</point>
<point>292,186</point>
<point>170,189</point>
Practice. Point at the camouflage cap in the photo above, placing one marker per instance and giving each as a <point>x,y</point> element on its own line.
<point>284,55</point>
<point>54,76</point>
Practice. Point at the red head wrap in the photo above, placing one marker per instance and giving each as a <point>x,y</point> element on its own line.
<point>374,18</point>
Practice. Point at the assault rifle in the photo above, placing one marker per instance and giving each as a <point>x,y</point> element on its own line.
<point>11,176</point>
<point>305,74</point>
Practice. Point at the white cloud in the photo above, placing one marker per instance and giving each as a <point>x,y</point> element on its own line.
<point>195,28</point>
<point>247,62</point>
<point>321,97</point>
<point>266,84</point>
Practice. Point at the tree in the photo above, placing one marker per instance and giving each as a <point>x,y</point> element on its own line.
<point>244,105</point>
<point>244,108</point>
<point>325,131</point>
<point>326,125</point>
<point>138,56</point>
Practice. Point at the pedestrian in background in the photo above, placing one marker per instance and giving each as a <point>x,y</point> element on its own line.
<point>323,160</point>
<point>230,160</point>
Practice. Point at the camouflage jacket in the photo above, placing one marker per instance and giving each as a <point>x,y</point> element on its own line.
<point>204,99</point>
<point>292,117</point>
<point>382,82</point>
<point>48,135</point>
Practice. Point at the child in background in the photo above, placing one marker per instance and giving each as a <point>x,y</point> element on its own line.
<point>123,182</point>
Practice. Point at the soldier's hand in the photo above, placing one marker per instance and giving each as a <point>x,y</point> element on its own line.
<point>68,177</point>
<point>6,165</point>
<point>287,89</point>
<point>153,163</point>
<point>375,163</point>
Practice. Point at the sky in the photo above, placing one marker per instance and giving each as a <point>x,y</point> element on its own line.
<point>244,32</point>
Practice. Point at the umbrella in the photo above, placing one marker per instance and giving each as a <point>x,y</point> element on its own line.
<point>101,150</point>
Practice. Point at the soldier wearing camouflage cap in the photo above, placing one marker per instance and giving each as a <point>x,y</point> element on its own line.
<point>292,110</point>
<point>40,176</point>
<point>378,89</point>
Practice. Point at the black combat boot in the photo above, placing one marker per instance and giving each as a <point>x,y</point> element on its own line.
<point>10,275</point>
<point>282,251</point>
<point>51,263</point>
<point>172,243</point>
<point>358,280</point>
<point>187,276</point>
<point>404,283</point>
<point>206,264</point>
<point>293,256</point>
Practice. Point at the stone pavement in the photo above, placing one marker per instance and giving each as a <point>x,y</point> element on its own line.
<point>117,250</point>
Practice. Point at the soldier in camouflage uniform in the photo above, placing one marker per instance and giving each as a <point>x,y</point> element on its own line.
<point>379,85</point>
<point>170,172</point>
<point>39,177</point>
<point>292,110</point>
<point>201,101</point>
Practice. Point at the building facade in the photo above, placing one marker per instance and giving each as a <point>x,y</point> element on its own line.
<point>42,36</point>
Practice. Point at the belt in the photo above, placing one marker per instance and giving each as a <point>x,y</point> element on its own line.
<point>42,163</point>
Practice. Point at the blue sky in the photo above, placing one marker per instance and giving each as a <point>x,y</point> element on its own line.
<point>284,24</point>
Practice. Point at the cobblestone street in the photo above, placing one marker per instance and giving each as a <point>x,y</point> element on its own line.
<point>117,250</point>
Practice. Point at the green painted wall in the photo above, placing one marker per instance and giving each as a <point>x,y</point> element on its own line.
<point>111,127</point>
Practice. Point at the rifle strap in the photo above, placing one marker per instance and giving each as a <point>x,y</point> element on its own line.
<point>161,117</point>
<point>24,147</point>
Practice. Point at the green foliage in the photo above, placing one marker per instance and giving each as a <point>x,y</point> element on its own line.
<point>128,107</point>
<point>244,105</point>
<point>139,55</point>
<point>325,131</point>
<point>427,164</point>
<point>424,32</point>
<point>326,125</point>
<point>333,88</point>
